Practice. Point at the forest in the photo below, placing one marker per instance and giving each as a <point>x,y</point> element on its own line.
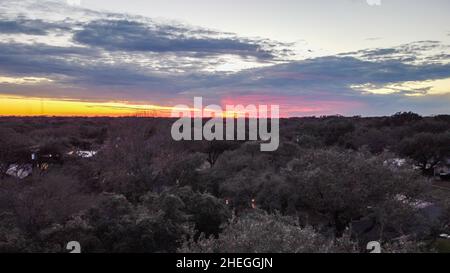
<point>123,185</point>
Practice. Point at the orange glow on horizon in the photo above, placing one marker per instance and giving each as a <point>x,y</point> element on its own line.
<point>27,106</point>
<point>289,107</point>
<point>30,106</point>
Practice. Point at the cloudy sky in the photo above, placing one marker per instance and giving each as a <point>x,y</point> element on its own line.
<point>321,57</point>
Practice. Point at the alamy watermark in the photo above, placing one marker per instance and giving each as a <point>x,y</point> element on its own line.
<point>374,247</point>
<point>236,122</point>
<point>374,2</point>
<point>74,247</point>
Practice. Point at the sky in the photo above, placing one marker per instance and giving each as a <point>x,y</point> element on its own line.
<point>322,57</point>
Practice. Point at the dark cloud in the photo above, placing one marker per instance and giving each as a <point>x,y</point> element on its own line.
<point>124,35</point>
<point>37,49</point>
<point>380,52</point>
<point>341,72</point>
<point>76,68</point>
<point>416,52</point>
<point>28,26</point>
<point>23,59</point>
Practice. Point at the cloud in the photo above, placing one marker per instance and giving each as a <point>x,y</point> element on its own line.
<point>420,52</point>
<point>23,80</point>
<point>341,71</point>
<point>125,35</point>
<point>163,46</point>
<point>341,84</point>
<point>28,26</point>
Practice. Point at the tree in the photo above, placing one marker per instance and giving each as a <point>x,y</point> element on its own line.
<point>339,187</point>
<point>207,212</point>
<point>13,148</point>
<point>259,232</point>
<point>12,239</point>
<point>155,226</point>
<point>426,149</point>
<point>125,165</point>
<point>215,148</point>
<point>50,199</point>
<point>402,118</point>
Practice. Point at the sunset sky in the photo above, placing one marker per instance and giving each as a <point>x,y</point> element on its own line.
<point>321,57</point>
